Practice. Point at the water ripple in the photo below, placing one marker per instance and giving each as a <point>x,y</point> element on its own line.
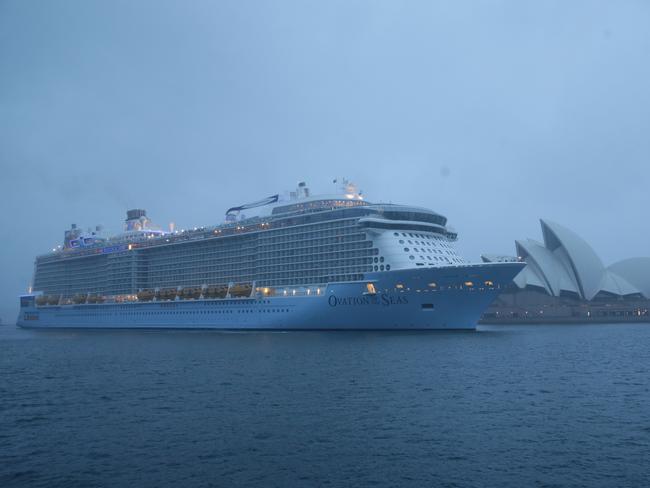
<point>508,407</point>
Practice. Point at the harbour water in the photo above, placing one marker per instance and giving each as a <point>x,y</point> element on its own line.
<point>509,406</point>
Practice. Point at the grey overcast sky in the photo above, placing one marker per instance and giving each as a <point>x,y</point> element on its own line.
<point>494,113</point>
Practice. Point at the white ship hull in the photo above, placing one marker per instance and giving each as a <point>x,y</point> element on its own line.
<point>429,298</point>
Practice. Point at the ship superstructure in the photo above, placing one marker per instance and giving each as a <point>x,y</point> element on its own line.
<point>303,246</point>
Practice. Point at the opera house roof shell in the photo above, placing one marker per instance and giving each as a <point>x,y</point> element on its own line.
<point>565,265</point>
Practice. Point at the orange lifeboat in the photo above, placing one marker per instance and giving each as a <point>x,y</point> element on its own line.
<point>241,290</point>
<point>190,293</point>
<point>146,295</point>
<point>167,294</point>
<point>209,291</point>
<point>215,291</point>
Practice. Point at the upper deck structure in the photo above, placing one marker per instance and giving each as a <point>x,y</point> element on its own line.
<point>305,240</point>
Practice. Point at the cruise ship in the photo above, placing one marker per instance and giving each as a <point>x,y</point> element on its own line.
<point>299,262</point>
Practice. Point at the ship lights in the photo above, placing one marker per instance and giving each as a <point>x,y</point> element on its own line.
<point>489,283</point>
<point>433,285</point>
<point>468,283</point>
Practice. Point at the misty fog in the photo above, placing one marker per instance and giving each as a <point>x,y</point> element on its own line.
<point>494,114</point>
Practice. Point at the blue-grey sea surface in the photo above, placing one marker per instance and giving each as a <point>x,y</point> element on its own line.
<point>511,406</point>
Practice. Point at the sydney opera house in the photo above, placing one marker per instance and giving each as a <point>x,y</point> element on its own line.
<point>566,280</point>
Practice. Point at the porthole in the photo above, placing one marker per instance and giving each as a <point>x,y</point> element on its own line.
<point>381,267</point>
<point>388,267</point>
<point>411,257</point>
<point>376,268</point>
<point>401,241</point>
<point>375,260</point>
<point>396,234</point>
<point>381,259</point>
<point>406,249</point>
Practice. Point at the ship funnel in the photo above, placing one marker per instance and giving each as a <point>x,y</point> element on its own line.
<point>136,219</point>
<point>135,214</point>
<point>303,190</point>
